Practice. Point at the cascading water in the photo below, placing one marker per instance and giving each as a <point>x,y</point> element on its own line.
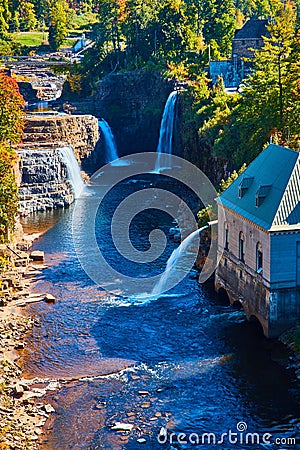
<point>166,133</point>
<point>73,169</point>
<point>110,143</point>
<point>161,285</point>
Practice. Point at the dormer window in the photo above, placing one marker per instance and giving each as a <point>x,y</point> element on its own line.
<point>261,194</point>
<point>244,185</point>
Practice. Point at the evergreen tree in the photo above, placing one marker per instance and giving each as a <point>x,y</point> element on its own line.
<point>269,97</point>
<point>270,101</point>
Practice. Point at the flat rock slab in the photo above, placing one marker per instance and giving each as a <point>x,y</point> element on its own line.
<point>28,300</point>
<point>122,426</point>
<point>49,408</point>
<point>37,255</point>
<point>144,393</point>
<point>49,298</point>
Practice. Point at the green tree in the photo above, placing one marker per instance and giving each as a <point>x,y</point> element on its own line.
<point>174,32</point>
<point>5,10</point>
<point>58,24</point>
<point>270,100</point>
<point>28,18</point>
<point>5,16</point>
<point>216,20</point>
<point>15,21</point>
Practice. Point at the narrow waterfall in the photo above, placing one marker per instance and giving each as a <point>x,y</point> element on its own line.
<point>111,152</point>
<point>73,169</point>
<point>166,133</point>
<point>171,263</point>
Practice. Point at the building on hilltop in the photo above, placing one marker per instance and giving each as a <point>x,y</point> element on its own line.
<point>249,38</point>
<point>246,39</point>
<point>259,240</point>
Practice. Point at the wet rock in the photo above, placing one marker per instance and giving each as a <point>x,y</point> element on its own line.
<point>144,393</point>
<point>49,298</point>
<point>41,423</point>
<point>146,405</point>
<point>177,238</point>
<point>37,255</point>
<point>20,346</point>
<point>18,390</point>
<point>49,409</point>
<point>118,426</point>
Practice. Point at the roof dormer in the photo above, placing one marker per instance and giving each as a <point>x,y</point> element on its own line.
<point>262,192</point>
<point>244,185</point>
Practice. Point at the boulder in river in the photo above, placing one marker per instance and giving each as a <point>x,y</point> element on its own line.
<point>37,255</point>
<point>49,298</point>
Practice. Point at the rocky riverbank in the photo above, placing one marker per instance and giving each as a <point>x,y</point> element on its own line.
<point>22,414</point>
<point>292,340</point>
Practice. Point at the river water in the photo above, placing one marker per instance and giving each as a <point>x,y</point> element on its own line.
<point>203,367</point>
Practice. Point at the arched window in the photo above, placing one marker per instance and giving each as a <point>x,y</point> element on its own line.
<point>226,236</point>
<point>259,258</point>
<point>242,247</point>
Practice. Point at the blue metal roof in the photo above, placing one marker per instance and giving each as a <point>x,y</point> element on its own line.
<point>276,175</point>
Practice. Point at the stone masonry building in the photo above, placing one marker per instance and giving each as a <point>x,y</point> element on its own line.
<point>259,240</point>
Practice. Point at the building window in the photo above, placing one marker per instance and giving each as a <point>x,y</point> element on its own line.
<point>242,247</point>
<point>226,236</point>
<point>259,258</point>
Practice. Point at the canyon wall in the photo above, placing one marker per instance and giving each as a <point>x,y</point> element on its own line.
<point>44,183</point>
<point>195,148</point>
<point>133,103</point>
<point>44,180</point>
<point>80,131</point>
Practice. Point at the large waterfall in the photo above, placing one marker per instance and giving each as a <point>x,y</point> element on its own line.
<point>166,134</point>
<point>179,252</point>
<point>110,143</point>
<point>73,169</point>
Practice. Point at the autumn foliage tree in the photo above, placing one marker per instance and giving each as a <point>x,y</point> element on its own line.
<point>11,127</point>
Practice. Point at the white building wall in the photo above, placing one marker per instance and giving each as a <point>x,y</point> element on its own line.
<point>252,234</point>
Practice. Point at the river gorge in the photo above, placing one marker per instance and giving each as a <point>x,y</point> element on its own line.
<point>183,361</point>
<point>134,371</point>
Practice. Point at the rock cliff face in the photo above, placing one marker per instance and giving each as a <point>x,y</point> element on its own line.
<point>80,131</point>
<point>133,103</point>
<point>44,182</point>
<point>194,148</point>
<point>41,84</point>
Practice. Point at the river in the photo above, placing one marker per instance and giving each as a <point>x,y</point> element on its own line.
<point>184,362</point>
